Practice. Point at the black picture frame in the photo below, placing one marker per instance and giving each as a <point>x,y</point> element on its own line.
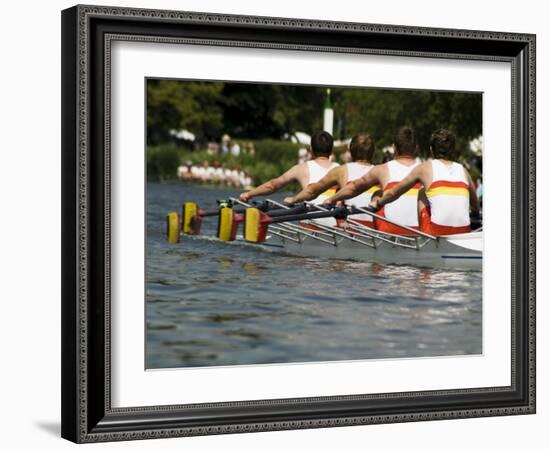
<point>87,414</point>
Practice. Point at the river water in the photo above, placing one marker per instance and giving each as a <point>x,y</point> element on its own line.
<point>213,304</point>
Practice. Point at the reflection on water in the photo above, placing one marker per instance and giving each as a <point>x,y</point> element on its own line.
<point>210,303</point>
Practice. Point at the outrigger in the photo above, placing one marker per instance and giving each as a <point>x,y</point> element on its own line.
<point>294,230</point>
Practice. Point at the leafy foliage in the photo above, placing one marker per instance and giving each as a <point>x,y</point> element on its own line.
<point>260,111</point>
<point>271,159</point>
<point>183,105</point>
<point>162,162</point>
<point>264,113</point>
<point>381,112</point>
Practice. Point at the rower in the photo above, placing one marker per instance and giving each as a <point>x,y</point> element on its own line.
<point>361,149</point>
<point>450,190</point>
<point>405,210</point>
<point>304,173</point>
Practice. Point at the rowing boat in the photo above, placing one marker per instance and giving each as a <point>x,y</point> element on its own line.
<point>279,228</point>
<point>456,252</point>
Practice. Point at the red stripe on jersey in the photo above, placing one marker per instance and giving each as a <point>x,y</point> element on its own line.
<point>389,185</point>
<point>460,184</point>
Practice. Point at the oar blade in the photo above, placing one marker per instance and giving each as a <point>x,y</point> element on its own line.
<point>255,225</point>
<point>173,227</point>
<point>191,218</point>
<point>228,223</point>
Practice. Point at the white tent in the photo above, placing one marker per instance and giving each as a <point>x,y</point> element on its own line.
<point>300,137</point>
<point>476,145</point>
<point>182,134</point>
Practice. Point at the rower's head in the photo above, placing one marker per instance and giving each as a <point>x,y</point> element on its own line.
<point>321,144</point>
<point>361,147</point>
<point>404,142</point>
<point>442,144</point>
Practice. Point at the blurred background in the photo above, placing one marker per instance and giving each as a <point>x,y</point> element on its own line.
<point>242,134</point>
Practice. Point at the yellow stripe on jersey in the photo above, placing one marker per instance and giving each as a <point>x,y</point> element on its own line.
<point>460,191</point>
<point>411,192</point>
<point>374,189</point>
<point>328,193</point>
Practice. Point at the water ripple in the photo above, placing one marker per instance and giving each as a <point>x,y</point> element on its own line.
<point>210,303</point>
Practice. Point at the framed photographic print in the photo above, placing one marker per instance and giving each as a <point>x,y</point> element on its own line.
<point>276,224</point>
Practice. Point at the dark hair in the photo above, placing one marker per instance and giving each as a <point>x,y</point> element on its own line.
<point>321,144</point>
<point>442,143</point>
<point>361,147</point>
<point>405,141</point>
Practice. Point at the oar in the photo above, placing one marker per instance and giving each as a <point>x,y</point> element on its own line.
<point>263,206</point>
<point>337,212</point>
<point>192,215</point>
<point>229,220</point>
<point>228,217</point>
<point>256,222</point>
<point>299,208</point>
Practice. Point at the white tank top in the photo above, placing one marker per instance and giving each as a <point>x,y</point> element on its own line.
<point>404,210</point>
<point>316,172</point>
<point>448,195</point>
<point>356,171</point>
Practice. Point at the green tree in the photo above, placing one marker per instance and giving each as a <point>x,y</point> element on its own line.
<point>299,108</point>
<point>249,109</point>
<point>174,104</point>
<point>261,111</point>
<point>268,111</point>
<point>381,112</point>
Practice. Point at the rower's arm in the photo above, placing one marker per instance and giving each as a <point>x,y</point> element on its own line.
<point>354,188</point>
<point>474,200</point>
<point>312,191</point>
<point>273,185</point>
<point>399,189</point>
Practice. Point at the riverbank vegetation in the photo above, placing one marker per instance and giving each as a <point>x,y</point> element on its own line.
<point>266,116</point>
<point>270,159</point>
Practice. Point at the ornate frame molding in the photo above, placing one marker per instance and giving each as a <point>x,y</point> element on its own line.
<point>87,418</point>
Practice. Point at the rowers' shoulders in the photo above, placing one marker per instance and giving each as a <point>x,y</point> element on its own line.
<point>323,163</point>
<point>428,163</point>
<point>423,169</point>
<point>379,170</point>
<point>302,171</point>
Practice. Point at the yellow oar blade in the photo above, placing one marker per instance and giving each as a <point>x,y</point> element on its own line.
<point>191,220</point>
<point>226,224</point>
<point>173,227</point>
<point>255,225</point>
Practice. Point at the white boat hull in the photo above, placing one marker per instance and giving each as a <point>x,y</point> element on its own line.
<point>463,252</point>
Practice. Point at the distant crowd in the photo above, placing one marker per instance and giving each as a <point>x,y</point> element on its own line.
<point>216,173</point>
<point>230,147</point>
